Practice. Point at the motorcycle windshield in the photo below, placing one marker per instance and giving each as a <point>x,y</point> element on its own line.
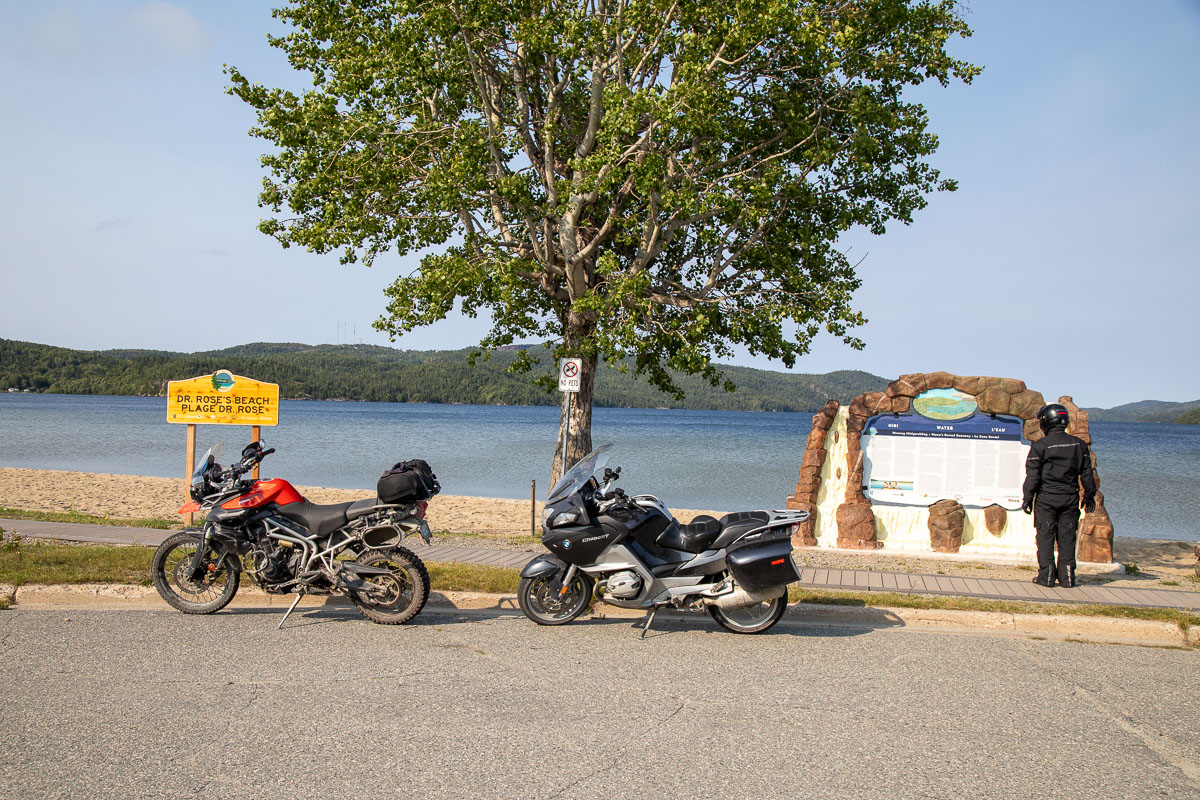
<point>579,474</point>
<point>210,457</point>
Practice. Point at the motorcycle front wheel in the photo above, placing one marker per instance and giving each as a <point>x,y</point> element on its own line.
<point>541,599</point>
<point>171,570</point>
<point>750,619</point>
<point>397,597</point>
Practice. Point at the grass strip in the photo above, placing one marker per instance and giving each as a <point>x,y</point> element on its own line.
<point>800,594</point>
<point>23,561</point>
<point>90,519</point>
<point>452,576</point>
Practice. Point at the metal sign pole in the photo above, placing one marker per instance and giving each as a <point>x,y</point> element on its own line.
<point>566,434</point>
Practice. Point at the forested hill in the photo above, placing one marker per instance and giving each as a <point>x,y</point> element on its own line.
<point>1149,411</point>
<point>366,372</point>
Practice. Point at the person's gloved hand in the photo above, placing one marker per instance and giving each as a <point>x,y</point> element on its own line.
<point>1027,507</point>
<point>1089,504</point>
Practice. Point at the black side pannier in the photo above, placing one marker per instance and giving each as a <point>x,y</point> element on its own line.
<point>763,561</point>
<point>408,482</point>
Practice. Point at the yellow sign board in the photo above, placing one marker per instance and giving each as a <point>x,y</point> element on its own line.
<point>223,399</point>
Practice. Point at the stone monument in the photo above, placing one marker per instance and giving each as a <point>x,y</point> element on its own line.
<point>934,463</point>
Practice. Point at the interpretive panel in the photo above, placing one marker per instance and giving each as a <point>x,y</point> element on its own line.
<point>915,460</point>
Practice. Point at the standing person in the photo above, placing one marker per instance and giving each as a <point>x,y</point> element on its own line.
<point>1057,464</point>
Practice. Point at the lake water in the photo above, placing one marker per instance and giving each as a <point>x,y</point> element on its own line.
<point>725,460</point>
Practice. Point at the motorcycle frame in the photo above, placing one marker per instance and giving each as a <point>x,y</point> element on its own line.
<point>401,518</point>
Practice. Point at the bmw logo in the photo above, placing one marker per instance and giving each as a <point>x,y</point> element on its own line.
<point>566,544</point>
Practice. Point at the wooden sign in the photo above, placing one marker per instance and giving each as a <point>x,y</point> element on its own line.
<point>223,399</point>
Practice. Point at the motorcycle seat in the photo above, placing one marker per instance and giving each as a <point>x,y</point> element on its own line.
<point>736,525</point>
<point>360,508</point>
<point>695,537</point>
<point>319,520</point>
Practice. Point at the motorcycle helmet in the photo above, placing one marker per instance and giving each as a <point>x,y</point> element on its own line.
<point>1053,415</point>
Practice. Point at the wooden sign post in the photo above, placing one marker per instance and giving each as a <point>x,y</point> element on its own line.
<point>221,398</point>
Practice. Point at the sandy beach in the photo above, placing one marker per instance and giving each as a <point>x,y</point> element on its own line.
<point>135,496</point>
<point>1163,562</point>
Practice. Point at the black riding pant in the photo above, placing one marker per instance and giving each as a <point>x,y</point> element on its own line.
<point>1056,517</point>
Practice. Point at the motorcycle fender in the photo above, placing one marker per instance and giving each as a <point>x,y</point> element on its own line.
<point>543,566</point>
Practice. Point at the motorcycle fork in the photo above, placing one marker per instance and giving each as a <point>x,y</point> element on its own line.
<point>562,592</point>
<point>198,559</point>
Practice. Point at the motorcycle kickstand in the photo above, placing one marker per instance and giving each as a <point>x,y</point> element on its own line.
<point>287,613</point>
<point>646,627</point>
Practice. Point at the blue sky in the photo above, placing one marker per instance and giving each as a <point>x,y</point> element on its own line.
<point>1069,257</point>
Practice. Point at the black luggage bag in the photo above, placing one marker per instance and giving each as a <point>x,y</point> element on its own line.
<point>763,562</point>
<point>408,482</point>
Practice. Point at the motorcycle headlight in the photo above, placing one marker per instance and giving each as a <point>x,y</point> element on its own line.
<point>565,518</point>
<point>547,512</point>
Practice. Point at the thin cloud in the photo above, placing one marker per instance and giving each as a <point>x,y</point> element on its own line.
<point>60,33</point>
<point>114,224</point>
<point>170,29</point>
<point>99,37</point>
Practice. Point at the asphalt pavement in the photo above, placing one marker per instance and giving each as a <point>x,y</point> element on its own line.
<point>455,705</point>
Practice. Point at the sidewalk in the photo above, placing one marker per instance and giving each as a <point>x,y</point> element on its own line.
<point>860,580</point>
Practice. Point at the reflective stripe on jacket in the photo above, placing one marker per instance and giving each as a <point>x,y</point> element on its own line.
<point>1057,464</point>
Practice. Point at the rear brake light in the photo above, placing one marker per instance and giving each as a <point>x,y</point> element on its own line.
<point>777,562</point>
<point>421,509</point>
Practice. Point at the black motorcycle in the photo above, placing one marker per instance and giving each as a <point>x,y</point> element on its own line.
<point>631,552</point>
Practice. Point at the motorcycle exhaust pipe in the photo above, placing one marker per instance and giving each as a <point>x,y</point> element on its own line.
<point>740,598</point>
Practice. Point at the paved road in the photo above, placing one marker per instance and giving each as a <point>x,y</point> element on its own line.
<point>455,705</point>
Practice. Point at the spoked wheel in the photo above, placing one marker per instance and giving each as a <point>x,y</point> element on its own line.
<point>171,571</point>
<point>397,597</point>
<point>750,619</point>
<point>543,601</point>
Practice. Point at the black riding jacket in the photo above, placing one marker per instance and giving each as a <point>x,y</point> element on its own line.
<point>1057,464</point>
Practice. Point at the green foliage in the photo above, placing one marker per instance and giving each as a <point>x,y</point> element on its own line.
<point>1190,417</point>
<point>647,182</point>
<point>328,372</point>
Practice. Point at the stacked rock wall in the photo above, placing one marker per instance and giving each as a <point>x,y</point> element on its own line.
<point>858,525</point>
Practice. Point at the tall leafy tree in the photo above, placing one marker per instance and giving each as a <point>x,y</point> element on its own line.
<point>655,181</point>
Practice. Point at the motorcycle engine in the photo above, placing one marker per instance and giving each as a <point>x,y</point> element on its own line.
<point>623,585</point>
<point>272,563</point>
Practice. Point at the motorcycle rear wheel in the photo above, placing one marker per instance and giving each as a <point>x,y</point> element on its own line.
<point>750,619</point>
<point>541,599</point>
<point>395,598</point>
<point>171,567</point>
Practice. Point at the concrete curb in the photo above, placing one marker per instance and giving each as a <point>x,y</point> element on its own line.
<point>1058,627</point>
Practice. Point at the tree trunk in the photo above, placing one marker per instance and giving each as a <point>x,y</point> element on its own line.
<point>579,440</point>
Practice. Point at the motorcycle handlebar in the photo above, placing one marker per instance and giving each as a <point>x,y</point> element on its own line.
<point>248,463</point>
